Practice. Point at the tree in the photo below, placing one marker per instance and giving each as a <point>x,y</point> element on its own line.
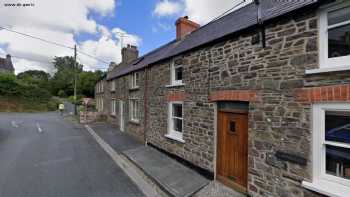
<point>37,75</point>
<point>87,81</point>
<point>63,79</point>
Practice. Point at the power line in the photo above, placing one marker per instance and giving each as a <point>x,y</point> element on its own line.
<point>227,11</point>
<point>34,37</point>
<point>93,57</point>
<point>31,59</point>
<point>52,42</point>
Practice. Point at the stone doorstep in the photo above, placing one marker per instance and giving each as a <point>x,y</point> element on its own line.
<point>184,183</point>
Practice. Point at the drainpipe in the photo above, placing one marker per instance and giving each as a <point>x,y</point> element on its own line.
<point>145,102</point>
<point>260,22</point>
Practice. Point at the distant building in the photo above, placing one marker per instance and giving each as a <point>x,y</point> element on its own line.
<point>6,64</point>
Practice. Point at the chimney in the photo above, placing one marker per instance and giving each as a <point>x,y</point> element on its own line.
<point>8,58</point>
<point>184,26</point>
<point>129,53</point>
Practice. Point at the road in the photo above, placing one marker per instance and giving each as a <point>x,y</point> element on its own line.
<point>43,155</point>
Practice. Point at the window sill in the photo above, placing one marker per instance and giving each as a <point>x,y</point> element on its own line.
<point>136,122</point>
<point>327,188</point>
<point>327,69</point>
<point>175,85</point>
<point>172,137</point>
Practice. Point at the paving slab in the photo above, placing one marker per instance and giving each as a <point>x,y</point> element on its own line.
<point>119,141</point>
<point>217,189</point>
<point>175,178</point>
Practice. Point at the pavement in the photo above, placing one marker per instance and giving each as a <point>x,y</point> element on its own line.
<point>44,155</point>
<point>172,177</point>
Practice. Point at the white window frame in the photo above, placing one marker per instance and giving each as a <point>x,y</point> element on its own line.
<point>323,182</point>
<point>134,110</point>
<point>113,107</point>
<point>326,62</point>
<point>173,67</point>
<point>134,80</point>
<point>113,86</point>
<point>172,134</point>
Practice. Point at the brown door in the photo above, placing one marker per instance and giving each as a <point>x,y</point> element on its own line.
<point>232,150</point>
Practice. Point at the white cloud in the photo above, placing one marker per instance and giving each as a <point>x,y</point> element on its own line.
<point>62,22</point>
<point>200,11</point>
<point>203,11</point>
<point>126,38</point>
<point>167,8</point>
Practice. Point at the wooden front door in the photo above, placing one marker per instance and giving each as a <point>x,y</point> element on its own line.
<point>232,150</point>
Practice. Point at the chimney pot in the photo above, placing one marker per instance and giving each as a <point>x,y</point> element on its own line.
<point>184,26</point>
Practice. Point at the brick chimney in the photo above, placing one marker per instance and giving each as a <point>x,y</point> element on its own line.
<point>129,53</point>
<point>184,26</point>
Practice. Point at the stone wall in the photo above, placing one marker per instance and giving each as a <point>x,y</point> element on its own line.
<point>278,120</point>
<point>124,93</point>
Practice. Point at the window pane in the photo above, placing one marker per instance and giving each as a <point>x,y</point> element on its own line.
<point>177,110</point>
<point>339,16</point>
<point>339,41</point>
<point>177,125</point>
<point>338,161</point>
<point>178,73</point>
<point>337,126</point>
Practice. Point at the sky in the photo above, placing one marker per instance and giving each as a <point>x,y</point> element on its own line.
<point>99,28</point>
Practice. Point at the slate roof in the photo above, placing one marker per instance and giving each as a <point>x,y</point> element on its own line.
<point>236,21</point>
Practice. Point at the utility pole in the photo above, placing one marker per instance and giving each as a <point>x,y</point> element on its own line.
<point>75,79</point>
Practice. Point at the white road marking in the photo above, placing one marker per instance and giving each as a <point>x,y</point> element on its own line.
<point>39,128</point>
<point>13,123</point>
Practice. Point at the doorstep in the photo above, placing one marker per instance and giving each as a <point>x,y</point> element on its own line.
<point>174,178</point>
<point>169,175</point>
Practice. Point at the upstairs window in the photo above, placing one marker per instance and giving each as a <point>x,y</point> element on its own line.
<point>176,74</point>
<point>112,86</point>
<point>335,35</point>
<point>134,80</point>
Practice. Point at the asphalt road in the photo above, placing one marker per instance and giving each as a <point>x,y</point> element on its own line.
<point>43,155</point>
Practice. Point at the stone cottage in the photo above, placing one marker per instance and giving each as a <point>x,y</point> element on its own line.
<point>258,99</point>
<point>6,64</point>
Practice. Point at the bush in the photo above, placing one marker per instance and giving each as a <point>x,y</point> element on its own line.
<point>52,105</point>
<point>61,94</point>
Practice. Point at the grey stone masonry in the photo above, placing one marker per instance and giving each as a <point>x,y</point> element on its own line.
<point>279,125</point>
<point>277,121</point>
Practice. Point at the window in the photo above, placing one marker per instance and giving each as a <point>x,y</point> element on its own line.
<point>112,86</point>
<point>331,148</point>
<point>134,110</point>
<point>176,74</point>
<point>134,80</point>
<point>335,36</point>
<point>175,122</point>
<point>113,107</point>
<point>99,104</point>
